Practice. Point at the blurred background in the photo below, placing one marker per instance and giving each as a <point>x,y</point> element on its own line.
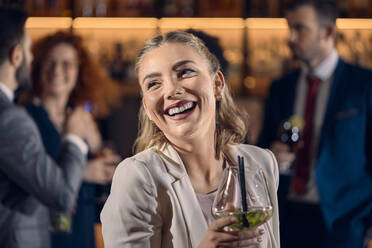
<point>252,34</point>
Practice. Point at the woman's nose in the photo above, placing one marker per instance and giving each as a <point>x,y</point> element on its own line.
<point>54,67</point>
<point>57,68</point>
<point>174,89</point>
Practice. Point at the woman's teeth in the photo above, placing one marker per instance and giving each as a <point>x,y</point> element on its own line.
<point>180,109</point>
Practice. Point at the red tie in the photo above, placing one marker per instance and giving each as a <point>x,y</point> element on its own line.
<point>302,168</point>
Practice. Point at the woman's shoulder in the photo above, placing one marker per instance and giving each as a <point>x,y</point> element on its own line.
<point>31,107</point>
<point>142,158</point>
<point>36,110</point>
<point>146,157</point>
<point>132,172</point>
<point>256,152</point>
<point>144,163</point>
<point>258,158</point>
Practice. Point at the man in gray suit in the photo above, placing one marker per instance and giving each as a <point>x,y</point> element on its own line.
<point>30,182</point>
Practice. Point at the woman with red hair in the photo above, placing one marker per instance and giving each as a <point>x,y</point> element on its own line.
<point>65,76</point>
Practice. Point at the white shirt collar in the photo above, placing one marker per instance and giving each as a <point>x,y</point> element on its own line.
<point>327,67</point>
<point>8,92</point>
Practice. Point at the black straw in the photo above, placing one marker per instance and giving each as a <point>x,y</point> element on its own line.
<point>243,191</point>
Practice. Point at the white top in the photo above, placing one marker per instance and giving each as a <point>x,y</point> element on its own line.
<point>324,71</point>
<point>206,202</point>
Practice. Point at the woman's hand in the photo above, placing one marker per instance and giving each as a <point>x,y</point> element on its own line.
<point>82,124</point>
<point>217,237</point>
<point>93,135</point>
<point>101,169</point>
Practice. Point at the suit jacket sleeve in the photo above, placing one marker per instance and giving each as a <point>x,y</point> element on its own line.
<point>25,162</point>
<point>129,217</point>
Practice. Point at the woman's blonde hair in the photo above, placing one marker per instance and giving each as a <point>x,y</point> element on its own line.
<point>230,125</point>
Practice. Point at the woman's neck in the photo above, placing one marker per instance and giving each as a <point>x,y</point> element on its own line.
<point>202,166</point>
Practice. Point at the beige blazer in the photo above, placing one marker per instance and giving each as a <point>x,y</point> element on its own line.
<point>152,202</point>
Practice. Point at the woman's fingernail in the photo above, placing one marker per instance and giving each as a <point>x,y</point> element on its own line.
<point>259,239</point>
<point>261,231</point>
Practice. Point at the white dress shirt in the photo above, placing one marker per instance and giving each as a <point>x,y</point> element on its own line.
<point>324,71</point>
<point>8,92</point>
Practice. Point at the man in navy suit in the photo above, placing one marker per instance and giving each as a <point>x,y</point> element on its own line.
<point>326,196</point>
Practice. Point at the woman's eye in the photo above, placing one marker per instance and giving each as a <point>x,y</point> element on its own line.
<point>151,84</point>
<point>186,72</point>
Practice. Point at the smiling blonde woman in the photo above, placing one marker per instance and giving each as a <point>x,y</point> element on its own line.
<point>190,129</point>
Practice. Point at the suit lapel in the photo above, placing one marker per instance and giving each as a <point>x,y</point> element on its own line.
<point>336,94</point>
<point>182,187</point>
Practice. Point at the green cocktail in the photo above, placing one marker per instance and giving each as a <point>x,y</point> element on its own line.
<point>255,216</point>
<point>61,222</point>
